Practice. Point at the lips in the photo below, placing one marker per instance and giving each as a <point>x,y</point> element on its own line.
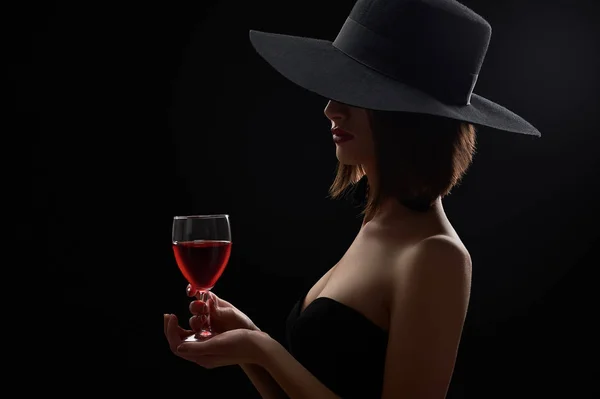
<point>339,132</point>
<point>341,136</point>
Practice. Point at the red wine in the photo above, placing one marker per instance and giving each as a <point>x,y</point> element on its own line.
<point>202,262</point>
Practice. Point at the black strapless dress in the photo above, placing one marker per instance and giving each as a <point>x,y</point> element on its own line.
<point>338,345</point>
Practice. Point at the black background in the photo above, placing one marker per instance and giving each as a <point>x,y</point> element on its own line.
<point>126,114</point>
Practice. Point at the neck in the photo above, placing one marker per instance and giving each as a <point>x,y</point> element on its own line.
<point>394,214</point>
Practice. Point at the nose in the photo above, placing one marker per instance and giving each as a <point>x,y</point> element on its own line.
<point>335,111</point>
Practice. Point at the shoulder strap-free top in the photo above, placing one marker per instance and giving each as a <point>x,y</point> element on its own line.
<point>338,345</point>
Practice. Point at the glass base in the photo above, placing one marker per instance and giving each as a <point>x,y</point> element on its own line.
<point>201,336</point>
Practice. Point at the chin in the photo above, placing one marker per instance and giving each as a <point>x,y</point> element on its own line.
<point>346,159</point>
<point>347,162</point>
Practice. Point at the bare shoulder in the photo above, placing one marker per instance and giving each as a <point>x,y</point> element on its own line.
<point>427,314</point>
<point>442,247</point>
<point>441,258</point>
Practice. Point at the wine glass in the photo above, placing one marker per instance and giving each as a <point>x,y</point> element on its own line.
<point>202,246</point>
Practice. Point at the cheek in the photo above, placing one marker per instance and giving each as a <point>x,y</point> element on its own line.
<point>359,145</point>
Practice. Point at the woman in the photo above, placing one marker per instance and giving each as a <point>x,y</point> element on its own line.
<point>386,321</point>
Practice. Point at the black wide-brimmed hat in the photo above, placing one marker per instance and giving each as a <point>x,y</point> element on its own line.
<point>420,56</point>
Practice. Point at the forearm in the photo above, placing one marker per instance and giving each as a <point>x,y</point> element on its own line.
<point>290,375</point>
<point>263,382</point>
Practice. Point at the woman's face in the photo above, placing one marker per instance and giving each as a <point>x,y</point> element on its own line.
<point>353,121</point>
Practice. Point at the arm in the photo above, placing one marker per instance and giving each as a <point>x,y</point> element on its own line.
<point>427,312</point>
<point>292,377</point>
<point>263,382</point>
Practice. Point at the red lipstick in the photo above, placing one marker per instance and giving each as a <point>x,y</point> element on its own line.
<point>341,136</point>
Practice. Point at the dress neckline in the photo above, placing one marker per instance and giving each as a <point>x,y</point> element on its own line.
<point>339,304</point>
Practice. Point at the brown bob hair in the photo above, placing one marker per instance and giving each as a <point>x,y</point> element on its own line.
<point>419,158</point>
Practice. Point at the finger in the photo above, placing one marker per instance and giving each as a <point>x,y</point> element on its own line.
<point>217,320</point>
<point>166,323</point>
<point>196,323</point>
<point>200,307</point>
<point>173,333</point>
<point>183,333</point>
<point>213,296</point>
<point>218,300</point>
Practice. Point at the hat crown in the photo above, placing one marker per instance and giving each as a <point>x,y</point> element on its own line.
<point>437,46</point>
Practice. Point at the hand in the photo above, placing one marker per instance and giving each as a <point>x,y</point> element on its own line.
<point>223,315</point>
<point>239,346</point>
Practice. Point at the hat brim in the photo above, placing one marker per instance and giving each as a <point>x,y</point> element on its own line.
<point>319,67</point>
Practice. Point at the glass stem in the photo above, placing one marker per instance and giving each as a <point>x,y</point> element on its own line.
<point>204,315</point>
